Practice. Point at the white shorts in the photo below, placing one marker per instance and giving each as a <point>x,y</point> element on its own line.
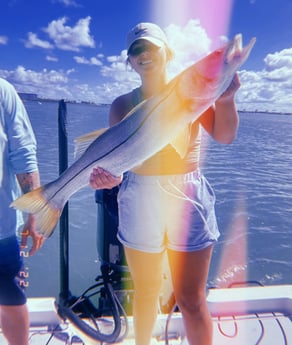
<point>171,211</point>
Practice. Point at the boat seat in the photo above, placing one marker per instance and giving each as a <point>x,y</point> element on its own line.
<point>250,300</point>
<point>43,312</point>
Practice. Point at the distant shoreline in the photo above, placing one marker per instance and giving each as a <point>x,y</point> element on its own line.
<point>33,97</point>
<point>265,112</point>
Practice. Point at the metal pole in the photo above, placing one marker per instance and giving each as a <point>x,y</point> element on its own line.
<point>64,233</point>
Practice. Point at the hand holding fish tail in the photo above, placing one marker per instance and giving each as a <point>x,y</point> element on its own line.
<point>29,230</point>
<point>102,179</point>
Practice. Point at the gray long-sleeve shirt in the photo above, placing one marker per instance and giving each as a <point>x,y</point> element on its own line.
<point>17,155</point>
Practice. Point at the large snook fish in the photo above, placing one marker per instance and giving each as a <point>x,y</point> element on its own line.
<point>154,123</point>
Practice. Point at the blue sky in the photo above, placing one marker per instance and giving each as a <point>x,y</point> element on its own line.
<point>75,49</point>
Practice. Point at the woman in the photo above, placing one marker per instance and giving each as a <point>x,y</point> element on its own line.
<point>166,203</point>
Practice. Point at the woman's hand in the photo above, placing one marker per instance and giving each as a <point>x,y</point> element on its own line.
<point>229,93</point>
<point>226,119</point>
<point>102,179</point>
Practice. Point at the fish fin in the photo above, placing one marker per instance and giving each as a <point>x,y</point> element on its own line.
<point>82,142</point>
<point>34,203</point>
<point>181,142</point>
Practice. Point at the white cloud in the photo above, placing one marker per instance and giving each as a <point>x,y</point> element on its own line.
<point>279,59</point>
<point>94,61</point>
<point>189,43</point>
<point>34,41</point>
<point>70,38</point>
<point>45,83</point>
<point>40,78</point>
<point>67,3</point>
<point>63,36</point>
<point>267,89</point>
<point>51,58</point>
<point>3,40</point>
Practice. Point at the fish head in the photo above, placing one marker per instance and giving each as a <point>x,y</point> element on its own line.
<point>207,79</point>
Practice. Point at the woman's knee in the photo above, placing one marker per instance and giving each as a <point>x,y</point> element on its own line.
<point>192,304</point>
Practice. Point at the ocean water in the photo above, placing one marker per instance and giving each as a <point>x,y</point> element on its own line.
<point>251,178</point>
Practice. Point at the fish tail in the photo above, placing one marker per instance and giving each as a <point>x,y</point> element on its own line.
<point>45,214</point>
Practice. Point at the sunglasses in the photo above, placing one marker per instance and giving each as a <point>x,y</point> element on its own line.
<point>138,49</point>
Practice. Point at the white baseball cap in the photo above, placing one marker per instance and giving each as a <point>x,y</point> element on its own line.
<point>146,31</point>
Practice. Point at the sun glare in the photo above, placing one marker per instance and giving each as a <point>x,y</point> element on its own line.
<point>213,15</point>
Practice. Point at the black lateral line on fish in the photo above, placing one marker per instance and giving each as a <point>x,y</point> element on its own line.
<point>114,148</point>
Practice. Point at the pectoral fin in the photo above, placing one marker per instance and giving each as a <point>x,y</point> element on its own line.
<point>182,141</point>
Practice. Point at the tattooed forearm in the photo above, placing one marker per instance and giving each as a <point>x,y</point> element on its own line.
<point>28,181</point>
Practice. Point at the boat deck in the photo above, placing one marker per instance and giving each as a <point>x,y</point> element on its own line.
<point>241,316</point>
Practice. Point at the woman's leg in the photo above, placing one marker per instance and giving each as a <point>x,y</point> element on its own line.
<point>146,271</point>
<point>189,275</point>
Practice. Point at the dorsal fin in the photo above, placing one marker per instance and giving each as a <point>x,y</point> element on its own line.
<point>82,142</point>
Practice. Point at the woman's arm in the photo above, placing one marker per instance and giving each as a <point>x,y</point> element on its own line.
<point>222,121</point>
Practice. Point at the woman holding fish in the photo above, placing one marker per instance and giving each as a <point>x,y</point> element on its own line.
<point>165,203</point>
